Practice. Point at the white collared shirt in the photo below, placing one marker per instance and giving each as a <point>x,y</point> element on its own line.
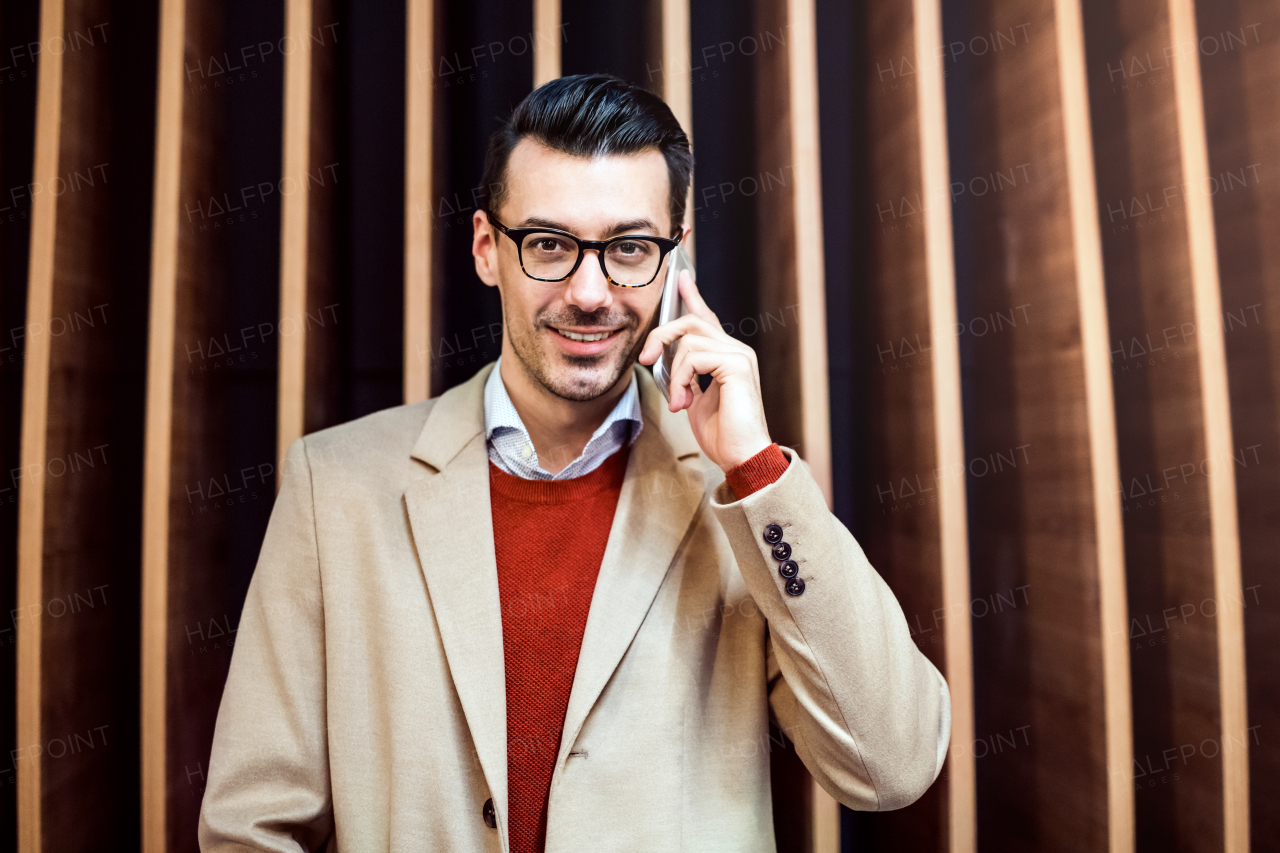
<point>511,449</point>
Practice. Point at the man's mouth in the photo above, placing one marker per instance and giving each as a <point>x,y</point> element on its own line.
<point>586,336</point>
<point>586,341</point>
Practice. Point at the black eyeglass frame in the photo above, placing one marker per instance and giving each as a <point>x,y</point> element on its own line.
<point>517,235</point>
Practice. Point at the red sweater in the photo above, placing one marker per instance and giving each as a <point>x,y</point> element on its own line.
<point>549,538</point>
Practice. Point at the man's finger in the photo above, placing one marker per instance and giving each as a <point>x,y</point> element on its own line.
<point>681,395</point>
<point>698,361</point>
<point>693,299</point>
<point>668,332</point>
<point>698,354</point>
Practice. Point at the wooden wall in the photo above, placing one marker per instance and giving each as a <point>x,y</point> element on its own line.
<point>1114,614</point>
<point>1008,267</point>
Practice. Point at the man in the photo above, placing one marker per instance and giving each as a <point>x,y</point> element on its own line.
<point>547,609</point>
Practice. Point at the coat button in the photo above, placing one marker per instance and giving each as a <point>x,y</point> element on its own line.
<point>489,815</point>
<point>795,586</point>
<point>782,551</point>
<point>789,569</point>
<point>773,534</point>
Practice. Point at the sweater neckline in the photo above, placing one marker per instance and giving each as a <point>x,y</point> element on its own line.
<point>607,477</point>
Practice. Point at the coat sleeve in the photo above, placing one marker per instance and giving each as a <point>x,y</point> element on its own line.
<point>870,716</point>
<point>268,780</point>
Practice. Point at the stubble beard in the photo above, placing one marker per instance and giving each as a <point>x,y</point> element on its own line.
<point>578,377</point>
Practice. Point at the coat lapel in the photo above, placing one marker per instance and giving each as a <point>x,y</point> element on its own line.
<point>660,495</point>
<point>451,521</point>
<point>452,525</point>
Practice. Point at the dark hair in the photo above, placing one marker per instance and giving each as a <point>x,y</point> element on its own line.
<point>586,115</point>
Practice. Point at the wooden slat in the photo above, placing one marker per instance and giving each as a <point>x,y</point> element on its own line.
<point>35,421</point>
<point>776,256</point>
<point>418,147</point>
<point>811,301</point>
<point>546,41</point>
<point>1240,78</point>
<point>19,25</point>
<point>1217,426</point>
<point>677,81</point>
<point>789,263</point>
<point>309,311</point>
<point>796,806</point>
<point>294,217</point>
<point>1159,429</point>
<point>1032,521</point>
<point>326,309</point>
<point>677,84</point>
<point>809,274</point>
<point>1100,413</point>
<point>159,425</point>
<point>948,423</point>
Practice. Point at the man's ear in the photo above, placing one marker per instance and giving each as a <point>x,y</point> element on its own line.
<point>685,230</point>
<point>484,248</point>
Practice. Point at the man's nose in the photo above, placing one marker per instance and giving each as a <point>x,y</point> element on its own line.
<point>588,288</point>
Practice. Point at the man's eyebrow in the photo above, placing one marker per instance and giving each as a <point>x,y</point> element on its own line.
<point>626,227</point>
<point>631,226</point>
<point>538,222</point>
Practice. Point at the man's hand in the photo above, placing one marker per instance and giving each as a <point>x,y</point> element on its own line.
<point>728,418</point>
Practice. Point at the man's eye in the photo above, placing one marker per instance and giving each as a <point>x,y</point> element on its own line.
<point>631,250</point>
<point>546,244</point>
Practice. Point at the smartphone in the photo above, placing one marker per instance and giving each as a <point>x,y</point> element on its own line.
<point>671,307</point>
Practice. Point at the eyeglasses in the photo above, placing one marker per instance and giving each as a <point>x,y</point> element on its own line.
<point>547,254</point>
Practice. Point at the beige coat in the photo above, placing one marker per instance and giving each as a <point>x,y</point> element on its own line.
<point>366,692</point>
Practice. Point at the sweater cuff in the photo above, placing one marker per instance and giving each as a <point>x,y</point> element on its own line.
<point>757,472</point>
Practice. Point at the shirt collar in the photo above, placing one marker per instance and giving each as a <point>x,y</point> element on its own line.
<point>500,412</point>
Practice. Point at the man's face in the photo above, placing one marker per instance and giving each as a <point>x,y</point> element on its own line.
<point>593,199</point>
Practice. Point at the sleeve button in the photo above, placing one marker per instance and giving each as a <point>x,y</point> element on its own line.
<point>795,586</point>
<point>773,534</point>
<point>782,551</point>
<point>789,569</point>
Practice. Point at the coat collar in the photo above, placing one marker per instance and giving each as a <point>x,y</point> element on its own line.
<point>451,522</point>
